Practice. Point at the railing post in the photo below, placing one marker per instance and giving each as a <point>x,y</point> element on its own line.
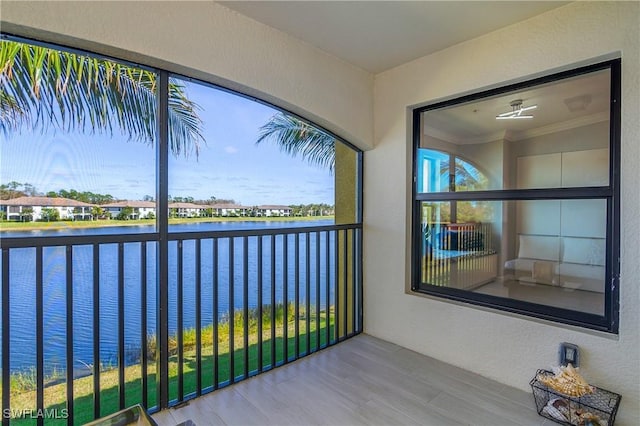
<point>121,348</point>
<point>39,334</point>
<point>162,203</point>
<point>69,332</point>
<point>96,330</point>
<point>180,320</point>
<point>232,312</point>
<point>360,282</point>
<point>285,301</point>
<point>214,283</point>
<point>143,323</point>
<point>6,348</point>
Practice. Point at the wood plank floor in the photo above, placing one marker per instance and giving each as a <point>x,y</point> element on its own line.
<point>362,381</point>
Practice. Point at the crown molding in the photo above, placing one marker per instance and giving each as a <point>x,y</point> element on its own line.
<point>559,127</point>
<point>514,136</point>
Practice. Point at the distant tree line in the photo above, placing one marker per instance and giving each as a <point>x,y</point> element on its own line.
<point>321,209</point>
<point>211,200</point>
<point>85,196</point>
<point>15,189</point>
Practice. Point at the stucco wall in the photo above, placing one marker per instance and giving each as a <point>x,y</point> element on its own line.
<point>504,347</point>
<point>208,41</point>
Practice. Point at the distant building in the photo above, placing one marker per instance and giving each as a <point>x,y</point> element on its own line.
<point>268,211</point>
<point>140,209</point>
<point>20,208</point>
<point>31,208</point>
<point>186,209</point>
<point>226,210</point>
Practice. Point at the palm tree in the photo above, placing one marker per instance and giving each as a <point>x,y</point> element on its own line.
<point>97,212</point>
<point>42,88</point>
<point>467,176</point>
<point>50,214</point>
<point>294,137</point>
<point>26,215</point>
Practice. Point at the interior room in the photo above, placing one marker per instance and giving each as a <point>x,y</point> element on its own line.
<point>552,135</point>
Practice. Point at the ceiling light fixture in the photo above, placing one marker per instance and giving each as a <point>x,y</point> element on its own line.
<point>516,112</point>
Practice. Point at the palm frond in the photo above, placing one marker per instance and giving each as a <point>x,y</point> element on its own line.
<point>45,88</point>
<point>184,121</point>
<point>295,137</point>
<point>11,114</point>
<point>467,176</point>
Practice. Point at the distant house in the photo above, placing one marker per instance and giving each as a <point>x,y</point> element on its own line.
<point>140,209</point>
<point>230,210</point>
<point>274,211</point>
<point>186,209</point>
<point>31,208</point>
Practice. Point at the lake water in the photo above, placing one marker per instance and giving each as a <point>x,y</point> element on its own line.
<point>23,300</point>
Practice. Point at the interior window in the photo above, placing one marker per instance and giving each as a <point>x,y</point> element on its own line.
<point>515,199</point>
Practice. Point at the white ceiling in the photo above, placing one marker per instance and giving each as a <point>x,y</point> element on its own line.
<point>561,105</point>
<point>379,35</point>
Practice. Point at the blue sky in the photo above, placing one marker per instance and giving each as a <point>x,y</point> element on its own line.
<point>230,165</point>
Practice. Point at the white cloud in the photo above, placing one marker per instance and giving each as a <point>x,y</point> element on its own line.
<point>230,149</point>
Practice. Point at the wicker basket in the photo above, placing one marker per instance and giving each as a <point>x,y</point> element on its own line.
<point>596,409</point>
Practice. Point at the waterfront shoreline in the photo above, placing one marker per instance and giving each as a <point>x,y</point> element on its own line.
<point>130,263</point>
<point>40,226</point>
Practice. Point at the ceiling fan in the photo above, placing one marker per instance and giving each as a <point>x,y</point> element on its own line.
<point>516,112</point>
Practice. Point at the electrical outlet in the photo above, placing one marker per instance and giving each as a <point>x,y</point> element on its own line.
<point>569,354</point>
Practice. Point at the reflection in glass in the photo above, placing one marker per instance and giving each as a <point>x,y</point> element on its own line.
<point>468,177</point>
<point>458,254</point>
<point>565,143</point>
<point>438,171</point>
<point>549,252</point>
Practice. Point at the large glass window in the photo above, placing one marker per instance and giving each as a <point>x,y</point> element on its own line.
<point>155,228</point>
<point>259,169</point>
<point>254,168</point>
<point>516,198</point>
<point>78,153</point>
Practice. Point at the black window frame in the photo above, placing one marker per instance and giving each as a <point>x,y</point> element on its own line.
<point>161,235</point>
<point>609,322</point>
<point>164,75</point>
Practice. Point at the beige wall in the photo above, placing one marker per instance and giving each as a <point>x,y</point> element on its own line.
<point>592,136</point>
<point>208,41</point>
<point>504,347</point>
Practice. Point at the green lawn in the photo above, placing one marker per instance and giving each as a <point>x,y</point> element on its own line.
<point>109,395</point>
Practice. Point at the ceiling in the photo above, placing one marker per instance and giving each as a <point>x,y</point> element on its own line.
<point>379,35</point>
<point>561,105</point>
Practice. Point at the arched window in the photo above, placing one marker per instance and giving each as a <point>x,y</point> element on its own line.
<point>440,171</point>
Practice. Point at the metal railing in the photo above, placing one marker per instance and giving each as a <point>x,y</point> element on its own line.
<point>238,303</point>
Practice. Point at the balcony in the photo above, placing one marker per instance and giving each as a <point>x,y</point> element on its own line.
<point>232,279</point>
<point>371,108</point>
<point>223,307</point>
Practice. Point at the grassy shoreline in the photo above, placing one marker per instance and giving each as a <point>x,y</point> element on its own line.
<point>24,399</point>
<point>7,226</point>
